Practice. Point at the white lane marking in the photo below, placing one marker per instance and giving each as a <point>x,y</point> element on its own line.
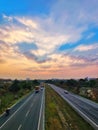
<point>75,108</point>
<point>40,112</point>
<point>80,112</point>
<point>16,111</point>
<point>19,127</point>
<point>27,113</point>
<point>29,110</point>
<point>44,111</point>
<point>32,105</point>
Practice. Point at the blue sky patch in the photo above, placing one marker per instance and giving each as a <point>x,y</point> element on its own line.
<point>24,47</point>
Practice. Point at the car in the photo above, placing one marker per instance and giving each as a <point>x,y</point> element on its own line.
<point>7,111</point>
<point>66,92</point>
<point>41,88</point>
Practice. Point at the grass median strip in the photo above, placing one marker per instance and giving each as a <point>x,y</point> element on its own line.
<point>59,115</point>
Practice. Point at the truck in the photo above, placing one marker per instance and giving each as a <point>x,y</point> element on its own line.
<point>37,89</point>
<point>42,85</point>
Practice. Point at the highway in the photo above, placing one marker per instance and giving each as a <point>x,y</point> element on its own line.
<point>86,108</point>
<point>27,115</point>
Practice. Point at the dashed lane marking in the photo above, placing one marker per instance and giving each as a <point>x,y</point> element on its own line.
<point>19,126</point>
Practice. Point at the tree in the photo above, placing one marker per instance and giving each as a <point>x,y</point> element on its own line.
<point>92,83</point>
<point>73,85</point>
<point>35,82</point>
<point>15,86</point>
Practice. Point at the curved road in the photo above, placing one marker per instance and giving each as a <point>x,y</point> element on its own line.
<point>26,117</point>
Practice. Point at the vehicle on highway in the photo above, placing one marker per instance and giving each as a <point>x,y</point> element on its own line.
<point>7,112</point>
<point>66,92</point>
<point>37,89</point>
<point>42,85</point>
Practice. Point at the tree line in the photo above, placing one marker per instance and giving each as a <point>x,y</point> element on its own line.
<point>85,87</point>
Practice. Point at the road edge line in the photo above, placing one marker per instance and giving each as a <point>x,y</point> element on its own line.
<point>16,111</point>
<point>93,124</point>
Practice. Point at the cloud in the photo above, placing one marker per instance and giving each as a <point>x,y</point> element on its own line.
<point>46,42</point>
<point>50,32</point>
<point>28,22</point>
<point>2,61</point>
<point>65,24</point>
<point>32,32</point>
<point>64,66</point>
<point>37,31</point>
<point>36,58</point>
<point>75,13</point>
<point>90,35</point>
<point>8,18</point>
<point>86,47</point>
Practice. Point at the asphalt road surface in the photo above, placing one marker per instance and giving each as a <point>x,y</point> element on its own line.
<point>86,108</point>
<point>26,117</point>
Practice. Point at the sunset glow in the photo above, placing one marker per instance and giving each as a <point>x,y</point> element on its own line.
<point>48,39</point>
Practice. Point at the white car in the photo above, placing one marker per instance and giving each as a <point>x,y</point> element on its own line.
<point>66,92</point>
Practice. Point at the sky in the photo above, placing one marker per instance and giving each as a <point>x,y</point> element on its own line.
<point>43,39</point>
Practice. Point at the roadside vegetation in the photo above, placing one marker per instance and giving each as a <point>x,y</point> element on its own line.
<point>12,90</point>
<point>59,115</point>
<point>87,88</point>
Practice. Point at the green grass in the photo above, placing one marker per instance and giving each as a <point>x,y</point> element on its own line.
<point>60,116</point>
<point>9,98</point>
